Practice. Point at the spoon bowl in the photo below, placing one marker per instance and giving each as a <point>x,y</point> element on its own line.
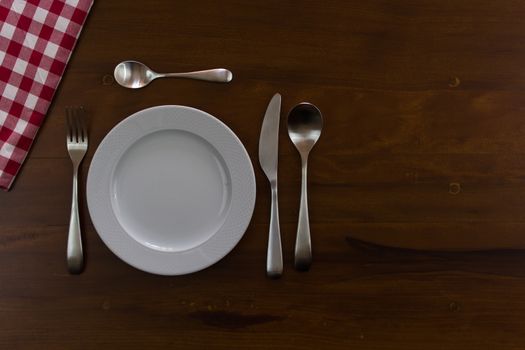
<point>305,123</point>
<point>133,74</point>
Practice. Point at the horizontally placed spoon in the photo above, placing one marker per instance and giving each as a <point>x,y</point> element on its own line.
<point>135,75</point>
<point>305,123</point>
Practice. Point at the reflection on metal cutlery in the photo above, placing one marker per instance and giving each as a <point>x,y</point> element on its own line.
<point>134,75</point>
<point>77,144</point>
<point>304,128</point>
<point>268,158</point>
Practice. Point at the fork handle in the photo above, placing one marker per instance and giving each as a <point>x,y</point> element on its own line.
<point>75,258</point>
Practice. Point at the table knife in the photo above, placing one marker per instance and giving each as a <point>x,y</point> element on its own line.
<point>268,158</point>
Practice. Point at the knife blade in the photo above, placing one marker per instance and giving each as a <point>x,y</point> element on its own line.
<point>268,158</point>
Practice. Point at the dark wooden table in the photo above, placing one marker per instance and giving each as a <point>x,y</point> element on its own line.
<point>417,186</point>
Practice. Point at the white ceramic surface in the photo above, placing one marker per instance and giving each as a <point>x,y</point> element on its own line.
<point>171,190</point>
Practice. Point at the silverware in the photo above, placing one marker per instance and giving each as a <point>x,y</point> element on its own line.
<point>77,144</point>
<point>268,158</point>
<point>134,75</point>
<point>304,128</point>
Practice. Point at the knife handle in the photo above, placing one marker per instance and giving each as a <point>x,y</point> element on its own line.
<point>274,259</point>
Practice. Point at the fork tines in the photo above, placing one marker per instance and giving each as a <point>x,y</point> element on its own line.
<point>76,125</point>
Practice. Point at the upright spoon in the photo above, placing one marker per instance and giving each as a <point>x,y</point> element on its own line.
<point>305,123</point>
<point>134,75</point>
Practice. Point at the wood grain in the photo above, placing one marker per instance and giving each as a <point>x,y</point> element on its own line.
<point>416,186</point>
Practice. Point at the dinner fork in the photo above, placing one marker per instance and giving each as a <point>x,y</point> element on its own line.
<point>77,144</point>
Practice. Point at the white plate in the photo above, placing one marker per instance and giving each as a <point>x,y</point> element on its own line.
<point>171,190</point>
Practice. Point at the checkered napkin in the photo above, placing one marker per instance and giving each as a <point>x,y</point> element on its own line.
<point>36,40</point>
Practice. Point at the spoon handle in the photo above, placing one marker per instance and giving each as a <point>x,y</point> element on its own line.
<point>219,75</point>
<point>303,244</point>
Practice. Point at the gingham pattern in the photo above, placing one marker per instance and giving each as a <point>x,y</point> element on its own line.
<point>36,40</point>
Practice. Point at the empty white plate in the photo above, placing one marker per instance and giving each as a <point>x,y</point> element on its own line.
<point>171,190</point>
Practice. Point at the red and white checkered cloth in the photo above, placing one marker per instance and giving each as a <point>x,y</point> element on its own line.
<point>36,40</point>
